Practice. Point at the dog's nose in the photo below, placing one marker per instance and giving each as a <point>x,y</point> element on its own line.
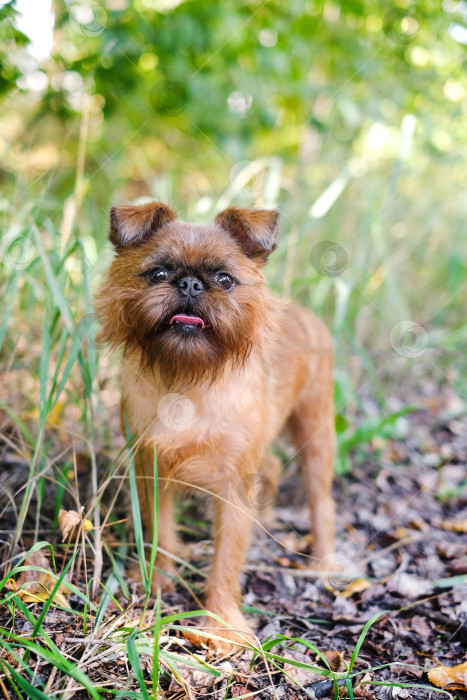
<point>190,286</point>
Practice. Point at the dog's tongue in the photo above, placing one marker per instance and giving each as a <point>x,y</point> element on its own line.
<point>185,318</point>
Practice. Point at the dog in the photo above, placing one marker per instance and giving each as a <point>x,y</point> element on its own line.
<point>190,307</point>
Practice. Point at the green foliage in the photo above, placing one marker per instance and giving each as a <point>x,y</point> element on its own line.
<point>11,42</point>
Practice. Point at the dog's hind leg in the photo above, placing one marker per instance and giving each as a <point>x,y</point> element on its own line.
<point>313,432</point>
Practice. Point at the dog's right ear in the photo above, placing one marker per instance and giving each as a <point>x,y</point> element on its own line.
<point>131,225</point>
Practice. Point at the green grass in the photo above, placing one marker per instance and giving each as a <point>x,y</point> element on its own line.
<point>128,637</point>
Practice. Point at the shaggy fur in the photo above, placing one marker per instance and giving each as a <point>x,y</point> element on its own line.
<point>212,398</point>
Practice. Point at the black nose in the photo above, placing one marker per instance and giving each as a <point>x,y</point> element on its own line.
<point>190,286</point>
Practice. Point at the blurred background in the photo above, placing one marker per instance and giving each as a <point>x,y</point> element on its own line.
<point>348,116</point>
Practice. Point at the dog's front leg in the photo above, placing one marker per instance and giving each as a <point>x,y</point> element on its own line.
<point>232,527</point>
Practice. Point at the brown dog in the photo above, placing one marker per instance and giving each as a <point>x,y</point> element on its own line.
<point>213,367</point>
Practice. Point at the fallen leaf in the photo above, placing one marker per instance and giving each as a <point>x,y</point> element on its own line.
<point>334,659</point>
<point>363,690</point>
<point>40,583</point>
<point>357,586</point>
<point>421,626</point>
<point>408,586</point>
<point>445,675</point>
<point>454,525</point>
<point>194,678</point>
<point>54,415</point>
<point>397,692</point>
<point>419,524</point>
<point>67,521</point>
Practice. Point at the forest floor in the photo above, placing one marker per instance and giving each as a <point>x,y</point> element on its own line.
<point>401,539</point>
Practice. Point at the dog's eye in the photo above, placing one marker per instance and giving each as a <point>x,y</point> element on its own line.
<point>159,274</point>
<point>224,280</point>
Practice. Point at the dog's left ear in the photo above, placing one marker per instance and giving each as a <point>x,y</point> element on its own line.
<point>254,229</point>
<point>132,225</point>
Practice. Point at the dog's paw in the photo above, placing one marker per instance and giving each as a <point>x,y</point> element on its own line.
<point>226,640</point>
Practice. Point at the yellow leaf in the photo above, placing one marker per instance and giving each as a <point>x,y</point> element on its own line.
<point>39,584</point>
<point>445,675</point>
<point>454,525</point>
<point>54,415</point>
<point>42,596</point>
<point>357,586</point>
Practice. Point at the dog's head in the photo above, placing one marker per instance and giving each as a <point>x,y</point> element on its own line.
<point>189,297</point>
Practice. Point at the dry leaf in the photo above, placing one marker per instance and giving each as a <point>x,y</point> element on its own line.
<point>419,524</point>
<point>363,689</point>
<point>454,525</point>
<point>357,586</point>
<point>301,676</point>
<point>445,675</point>
<point>54,415</point>
<point>41,583</point>
<point>334,659</point>
<point>408,586</point>
<point>192,677</point>
<point>67,520</point>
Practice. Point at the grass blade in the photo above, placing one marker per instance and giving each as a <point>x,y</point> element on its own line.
<point>135,664</point>
<point>136,511</point>
<point>361,639</point>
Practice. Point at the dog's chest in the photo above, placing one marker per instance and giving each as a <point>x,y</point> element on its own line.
<point>199,415</point>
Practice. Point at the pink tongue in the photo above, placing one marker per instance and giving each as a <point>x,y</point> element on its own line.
<point>192,320</point>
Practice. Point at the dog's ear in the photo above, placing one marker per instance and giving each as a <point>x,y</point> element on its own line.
<point>132,225</point>
<point>254,229</point>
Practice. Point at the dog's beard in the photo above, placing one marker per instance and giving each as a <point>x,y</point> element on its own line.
<point>180,353</point>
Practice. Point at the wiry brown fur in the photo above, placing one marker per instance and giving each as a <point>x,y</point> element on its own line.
<point>260,363</point>
<point>135,317</point>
